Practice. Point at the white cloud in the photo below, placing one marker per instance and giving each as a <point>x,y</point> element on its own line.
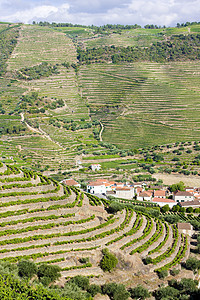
<point>99,12</point>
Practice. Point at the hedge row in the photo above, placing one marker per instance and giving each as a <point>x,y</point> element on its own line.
<point>81,200</point>
<point>136,226</point>
<point>46,199</point>
<point>170,250</point>
<point>163,242</point>
<point>13,194</point>
<point>46,226</point>
<point>35,219</point>
<point>153,239</point>
<point>146,232</point>
<point>45,254</point>
<point>27,176</point>
<point>47,236</point>
<point>93,200</point>
<point>88,265</point>
<point>103,234</point>
<point>10,170</point>
<point>180,255</point>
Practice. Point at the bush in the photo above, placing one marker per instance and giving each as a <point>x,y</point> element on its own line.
<point>192,264</point>
<point>48,273</point>
<point>139,292</point>
<point>27,268</point>
<point>73,291</point>
<point>94,289</point>
<point>148,260</point>
<point>116,291</point>
<point>114,207</point>
<point>109,261</point>
<point>172,218</point>
<point>174,272</point>
<point>162,274</point>
<point>80,281</point>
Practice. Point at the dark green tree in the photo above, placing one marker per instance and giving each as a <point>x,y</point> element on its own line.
<point>27,268</point>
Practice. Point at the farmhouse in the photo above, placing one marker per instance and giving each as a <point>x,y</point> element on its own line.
<point>185,228</point>
<point>146,195</point>
<point>95,167</point>
<point>159,193</point>
<point>194,204</point>
<point>183,196</point>
<point>96,188</point>
<point>124,192</point>
<point>71,182</point>
<point>116,189</point>
<point>164,201</point>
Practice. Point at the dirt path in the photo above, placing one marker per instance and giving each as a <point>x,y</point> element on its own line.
<point>100,134</point>
<point>40,131</point>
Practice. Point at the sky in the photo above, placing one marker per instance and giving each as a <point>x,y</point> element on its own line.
<point>100,12</point>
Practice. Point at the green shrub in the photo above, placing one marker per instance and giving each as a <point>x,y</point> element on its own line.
<point>139,292</point>
<point>109,261</point>
<point>48,273</point>
<point>27,268</point>
<point>162,274</point>
<point>81,281</point>
<point>174,272</point>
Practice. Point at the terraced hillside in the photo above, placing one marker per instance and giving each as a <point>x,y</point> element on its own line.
<point>42,220</point>
<point>144,103</point>
<point>44,140</point>
<point>54,111</point>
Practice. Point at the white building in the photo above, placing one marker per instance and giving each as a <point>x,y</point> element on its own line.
<point>164,201</point>
<point>71,182</point>
<point>96,188</point>
<point>145,196</point>
<point>183,196</point>
<point>95,167</point>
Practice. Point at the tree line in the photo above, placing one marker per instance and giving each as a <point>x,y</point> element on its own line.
<point>177,48</point>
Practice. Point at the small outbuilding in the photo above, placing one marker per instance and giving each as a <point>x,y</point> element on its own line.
<point>185,228</point>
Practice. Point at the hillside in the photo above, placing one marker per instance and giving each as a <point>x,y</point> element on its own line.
<point>45,221</point>
<point>54,106</point>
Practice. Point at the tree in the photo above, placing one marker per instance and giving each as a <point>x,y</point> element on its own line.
<point>162,274</point>
<point>48,273</point>
<point>177,187</point>
<point>115,207</point>
<point>165,208</point>
<point>27,268</point>
<point>116,291</point>
<point>109,261</point>
<point>139,292</point>
<point>176,208</point>
<point>174,272</point>
<point>81,281</point>
<point>166,293</point>
<point>172,218</point>
<point>189,209</point>
<point>94,289</point>
<point>192,264</point>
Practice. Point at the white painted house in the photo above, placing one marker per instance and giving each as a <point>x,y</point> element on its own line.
<point>96,188</point>
<point>164,201</point>
<point>144,196</point>
<point>95,167</point>
<point>183,196</point>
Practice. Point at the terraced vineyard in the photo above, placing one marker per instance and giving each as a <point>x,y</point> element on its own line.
<point>142,102</point>
<point>42,220</point>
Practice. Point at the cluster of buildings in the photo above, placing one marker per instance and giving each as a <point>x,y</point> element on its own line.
<point>103,187</point>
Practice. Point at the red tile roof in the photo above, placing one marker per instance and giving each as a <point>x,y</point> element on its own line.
<point>160,193</point>
<point>70,182</point>
<point>163,200</point>
<point>184,193</point>
<point>145,194</point>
